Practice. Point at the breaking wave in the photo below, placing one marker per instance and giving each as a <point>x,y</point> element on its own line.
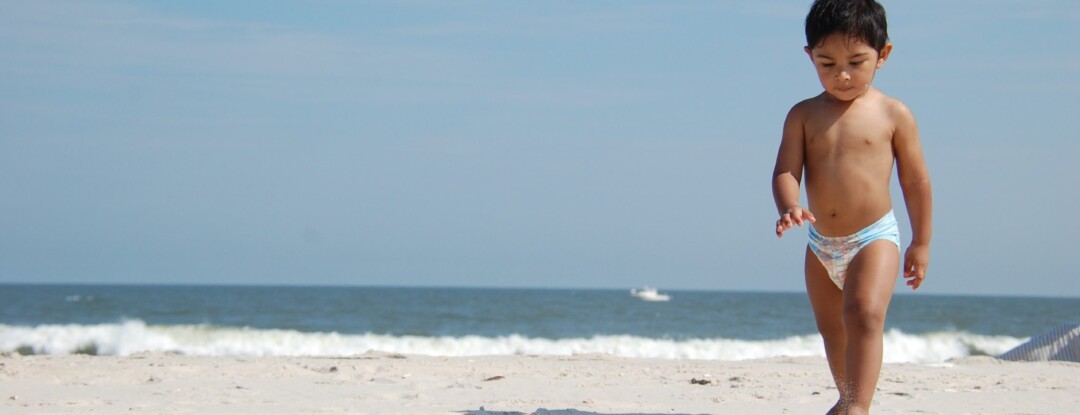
<point>135,336</point>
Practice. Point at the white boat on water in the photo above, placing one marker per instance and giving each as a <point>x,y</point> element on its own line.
<point>649,294</point>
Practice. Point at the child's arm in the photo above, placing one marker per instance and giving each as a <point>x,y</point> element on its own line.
<point>915,182</point>
<point>787,174</point>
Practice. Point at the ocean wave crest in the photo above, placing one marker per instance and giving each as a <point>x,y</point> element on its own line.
<point>135,336</point>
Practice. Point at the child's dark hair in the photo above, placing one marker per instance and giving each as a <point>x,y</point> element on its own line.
<point>858,19</point>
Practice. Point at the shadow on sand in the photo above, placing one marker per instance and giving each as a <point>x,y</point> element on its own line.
<point>543,411</point>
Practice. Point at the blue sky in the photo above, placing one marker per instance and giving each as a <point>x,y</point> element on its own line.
<point>606,144</point>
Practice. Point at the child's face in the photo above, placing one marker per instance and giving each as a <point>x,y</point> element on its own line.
<point>846,66</point>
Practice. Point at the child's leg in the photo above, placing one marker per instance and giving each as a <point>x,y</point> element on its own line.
<point>827,301</point>
<point>871,277</point>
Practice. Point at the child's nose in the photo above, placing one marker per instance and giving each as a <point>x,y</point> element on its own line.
<point>843,76</point>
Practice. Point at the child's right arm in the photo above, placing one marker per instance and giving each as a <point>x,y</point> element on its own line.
<point>787,174</point>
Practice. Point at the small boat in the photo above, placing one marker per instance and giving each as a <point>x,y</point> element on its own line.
<point>649,294</point>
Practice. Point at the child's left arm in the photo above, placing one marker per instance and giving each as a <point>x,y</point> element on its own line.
<point>915,182</point>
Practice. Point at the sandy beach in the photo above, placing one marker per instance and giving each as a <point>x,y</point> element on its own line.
<point>379,383</point>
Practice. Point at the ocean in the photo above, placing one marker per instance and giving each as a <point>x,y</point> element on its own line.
<point>341,321</point>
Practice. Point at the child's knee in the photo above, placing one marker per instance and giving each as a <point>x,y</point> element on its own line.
<point>831,331</point>
<point>864,315</point>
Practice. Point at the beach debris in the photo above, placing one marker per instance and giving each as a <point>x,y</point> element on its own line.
<point>14,398</point>
<point>737,382</point>
<point>483,411</point>
<point>493,378</point>
<point>696,381</point>
<point>375,354</point>
<point>324,369</point>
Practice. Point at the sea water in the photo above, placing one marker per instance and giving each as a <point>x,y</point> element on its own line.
<point>342,321</point>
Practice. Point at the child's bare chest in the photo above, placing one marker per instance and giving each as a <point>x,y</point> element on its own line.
<point>851,134</point>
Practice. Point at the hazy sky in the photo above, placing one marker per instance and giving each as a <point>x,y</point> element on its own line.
<point>592,144</point>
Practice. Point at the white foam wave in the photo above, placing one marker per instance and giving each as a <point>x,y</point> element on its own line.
<point>135,336</point>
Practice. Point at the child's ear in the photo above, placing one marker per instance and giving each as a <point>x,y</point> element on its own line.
<point>809,52</point>
<point>884,55</point>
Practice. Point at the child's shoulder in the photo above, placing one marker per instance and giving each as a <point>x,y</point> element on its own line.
<point>804,108</point>
<point>895,108</point>
<point>811,102</point>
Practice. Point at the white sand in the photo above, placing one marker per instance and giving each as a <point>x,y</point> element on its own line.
<point>394,384</point>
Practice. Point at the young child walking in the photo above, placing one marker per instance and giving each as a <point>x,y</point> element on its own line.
<point>844,143</point>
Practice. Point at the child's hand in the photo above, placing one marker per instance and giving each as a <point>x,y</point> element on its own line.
<point>915,262</point>
<point>794,217</point>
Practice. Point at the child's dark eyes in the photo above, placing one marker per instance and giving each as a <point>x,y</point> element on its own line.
<point>830,65</point>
